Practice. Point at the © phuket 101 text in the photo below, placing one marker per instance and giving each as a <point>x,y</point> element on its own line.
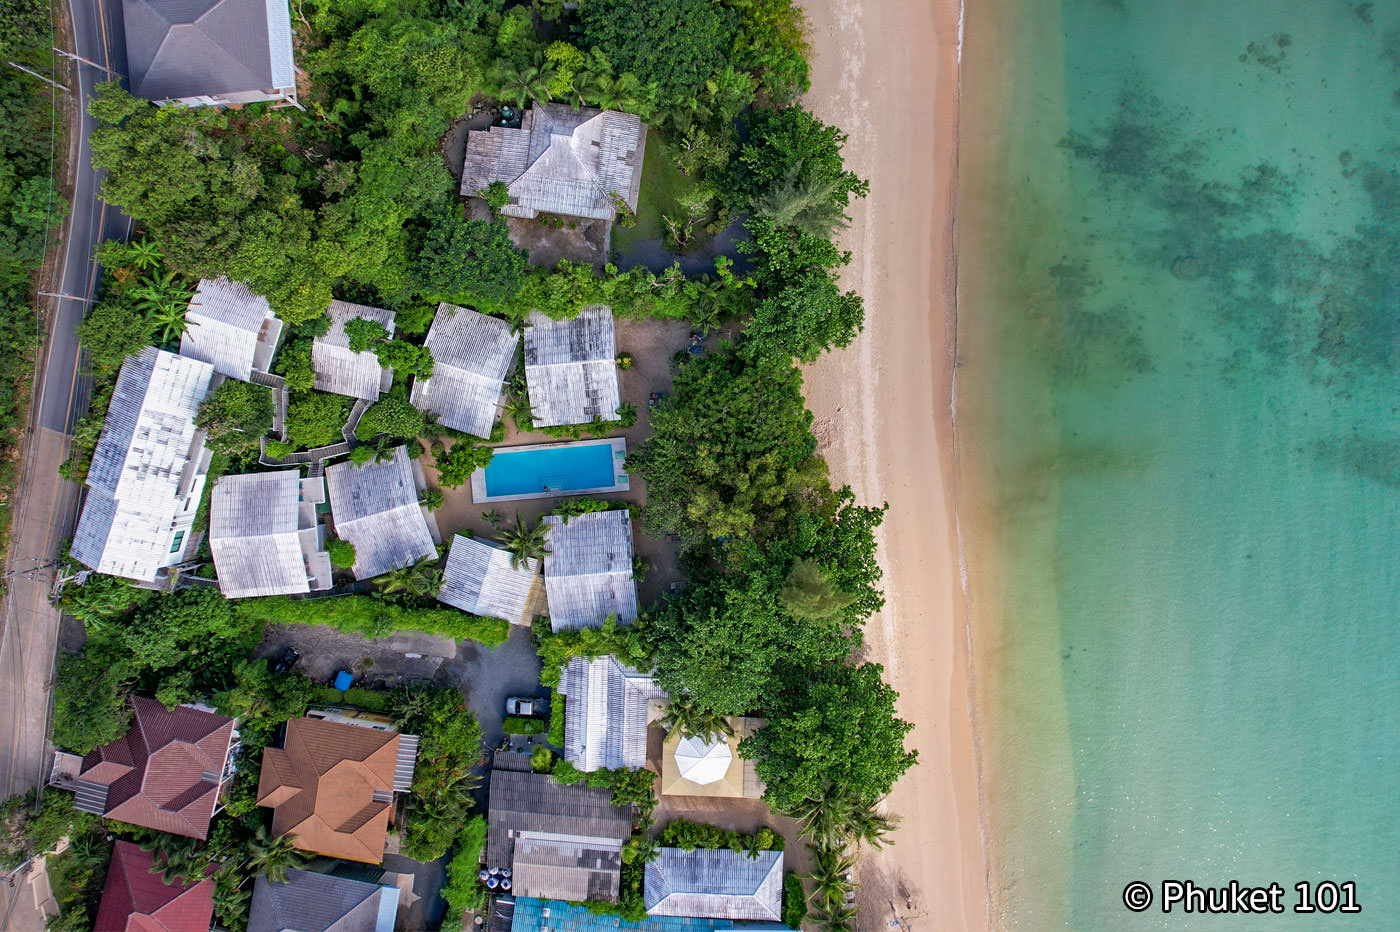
<point>1186,896</point>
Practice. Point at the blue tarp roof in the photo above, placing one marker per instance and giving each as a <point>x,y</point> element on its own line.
<point>566,917</point>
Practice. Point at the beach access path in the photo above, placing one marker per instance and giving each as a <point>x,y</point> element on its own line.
<point>886,72</point>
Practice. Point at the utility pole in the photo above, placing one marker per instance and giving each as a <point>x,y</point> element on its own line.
<point>61,294</point>
<point>87,61</point>
<point>35,74</point>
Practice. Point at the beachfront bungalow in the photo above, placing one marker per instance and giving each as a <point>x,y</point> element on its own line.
<point>472,354</point>
<point>231,328</point>
<point>608,708</point>
<point>168,772</point>
<point>575,161</point>
<point>588,570</point>
<point>559,842</point>
<point>375,507</point>
<point>341,371</point>
<point>209,52</point>
<point>136,900</point>
<point>331,785</point>
<point>696,767</point>
<point>571,367</point>
<point>479,578</point>
<point>310,901</point>
<point>715,884</point>
<point>265,534</point>
<point>148,471</point>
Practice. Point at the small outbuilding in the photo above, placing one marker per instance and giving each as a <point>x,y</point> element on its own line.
<point>571,367</point>
<point>375,507</point>
<point>715,884</point>
<point>605,718</point>
<point>588,570</point>
<point>341,371</point>
<point>265,535</point>
<point>472,354</point>
<point>231,328</point>
<point>485,580</point>
<point>715,768</point>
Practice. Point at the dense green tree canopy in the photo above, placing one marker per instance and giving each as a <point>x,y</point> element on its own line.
<point>236,415</point>
<point>468,261</point>
<point>314,419</point>
<point>676,44</point>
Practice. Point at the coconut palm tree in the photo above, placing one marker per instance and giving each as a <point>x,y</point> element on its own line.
<point>178,860</point>
<point>423,579</point>
<point>838,819</point>
<point>835,916</point>
<point>144,254</point>
<point>273,857</point>
<point>522,86</point>
<point>524,542</point>
<point>693,720</point>
<point>830,876</point>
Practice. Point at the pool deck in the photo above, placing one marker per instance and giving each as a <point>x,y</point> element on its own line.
<point>621,483</point>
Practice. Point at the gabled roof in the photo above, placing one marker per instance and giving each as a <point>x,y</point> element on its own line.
<point>717,884</point>
<point>194,48</point>
<point>136,900</point>
<point>145,467</point>
<point>314,902</point>
<point>472,354</point>
<point>561,160</point>
<point>342,372</point>
<point>605,718</point>
<point>263,538</point>
<point>563,841</point>
<point>167,772</point>
<point>479,579</point>
<point>331,785</point>
<point>230,327</point>
<point>571,368</point>
<point>588,570</point>
<point>375,507</point>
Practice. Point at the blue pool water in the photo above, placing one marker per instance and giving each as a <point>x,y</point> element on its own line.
<point>557,469</point>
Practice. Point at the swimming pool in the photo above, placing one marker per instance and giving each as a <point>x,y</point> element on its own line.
<point>552,469</point>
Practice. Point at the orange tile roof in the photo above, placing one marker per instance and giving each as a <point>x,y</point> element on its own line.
<point>321,785</point>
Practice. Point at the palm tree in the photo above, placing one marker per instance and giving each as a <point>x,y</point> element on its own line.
<point>98,600</point>
<point>830,876</point>
<point>835,916</point>
<point>178,860</point>
<point>839,819</point>
<point>421,579</point>
<point>694,721</point>
<point>144,254</point>
<point>521,86</point>
<point>525,543</point>
<point>273,857</point>
<point>384,448</point>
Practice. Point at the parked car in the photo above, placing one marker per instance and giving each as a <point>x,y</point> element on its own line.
<point>289,659</point>
<point>527,706</point>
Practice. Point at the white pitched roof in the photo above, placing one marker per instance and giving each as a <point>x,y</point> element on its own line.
<point>571,368</point>
<point>479,579</point>
<point>375,507</point>
<point>588,570</point>
<point>342,372</point>
<point>471,355</point>
<point>715,884</point>
<point>605,717</point>
<point>148,469</point>
<point>703,762</point>
<point>257,534</point>
<point>231,327</point>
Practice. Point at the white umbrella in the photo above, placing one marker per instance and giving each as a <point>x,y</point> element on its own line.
<point>701,762</point>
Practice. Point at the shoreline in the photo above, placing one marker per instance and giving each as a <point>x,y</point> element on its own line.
<point>884,414</point>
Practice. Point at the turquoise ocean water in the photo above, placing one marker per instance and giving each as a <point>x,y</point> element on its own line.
<point>1179,419</point>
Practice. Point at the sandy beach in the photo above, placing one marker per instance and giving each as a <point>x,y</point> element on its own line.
<point>883,416</point>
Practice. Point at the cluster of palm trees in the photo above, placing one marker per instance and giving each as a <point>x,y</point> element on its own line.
<point>683,713</point>
<point>525,542</point>
<point>162,296</point>
<point>188,860</point>
<point>836,825</point>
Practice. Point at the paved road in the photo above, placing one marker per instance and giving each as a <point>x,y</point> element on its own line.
<point>46,505</point>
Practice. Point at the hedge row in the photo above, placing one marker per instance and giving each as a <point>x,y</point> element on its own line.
<point>369,617</point>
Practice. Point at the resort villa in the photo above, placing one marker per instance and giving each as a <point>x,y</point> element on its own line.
<point>696,767</point>
<point>588,570</point>
<point>332,786</point>
<point>168,772</point>
<point>343,372</point>
<point>314,902</point>
<point>479,578</point>
<point>608,708</point>
<point>715,884</point>
<point>472,354</point>
<point>571,367</point>
<point>134,899</point>
<point>375,507</point>
<point>230,328</point>
<point>265,534</point>
<point>209,52</point>
<point>148,471</point>
<point>574,161</point>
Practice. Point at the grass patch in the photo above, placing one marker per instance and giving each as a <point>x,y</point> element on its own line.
<point>663,185</point>
<point>356,696</point>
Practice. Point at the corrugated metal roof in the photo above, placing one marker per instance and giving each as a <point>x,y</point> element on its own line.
<point>195,48</point>
<point>472,354</point>
<point>588,570</point>
<point>571,368</point>
<point>338,370</point>
<point>479,579</point>
<point>605,718</point>
<point>255,534</point>
<point>717,884</point>
<point>314,902</point>
<point>375,507</point>
<point>230,327</point>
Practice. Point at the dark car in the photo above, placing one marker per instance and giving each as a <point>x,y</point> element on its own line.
<point>527,706</point>
<point>290,658</point>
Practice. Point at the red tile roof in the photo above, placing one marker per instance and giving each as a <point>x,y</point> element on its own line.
<point>136,900</point>
<point>166,773</point>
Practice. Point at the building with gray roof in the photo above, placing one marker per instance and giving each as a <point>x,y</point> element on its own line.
<point>606,716</point>
<point>148,471</point>
<point>588,570</point>
<point>202,52</point>
<point>480,579</point>
<point>314,902</point>
<point>575,161</point>
<point>265,535</point>
<point>230,327</point>
<point>472,354</point>
<point>715,884</point>
<point>375,507</point>
<point>341,371</point>
<point>561,842</point>
<point>571,367</point>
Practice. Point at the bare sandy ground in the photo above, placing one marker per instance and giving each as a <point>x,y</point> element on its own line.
<point>886,72</point>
